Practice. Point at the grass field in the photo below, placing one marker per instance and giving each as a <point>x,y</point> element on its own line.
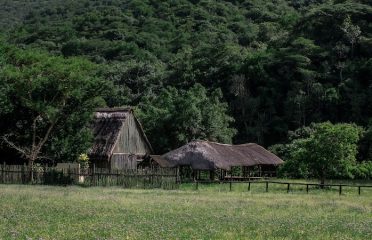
<point>45,212</point>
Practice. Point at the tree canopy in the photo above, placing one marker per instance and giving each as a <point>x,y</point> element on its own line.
<point>176,117</point>
<point>46,103</point>
<point>324,150</point>
<point>278,65</point>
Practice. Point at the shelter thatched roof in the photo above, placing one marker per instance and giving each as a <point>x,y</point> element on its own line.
<point>107,124</point>
<point>162,161</point>
<point>204,155</point>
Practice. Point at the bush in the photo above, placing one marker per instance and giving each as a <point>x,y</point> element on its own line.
<point>293,167</point>
<point>363,170</point>
<point>327,151</point>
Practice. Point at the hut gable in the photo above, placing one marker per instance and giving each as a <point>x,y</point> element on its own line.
<point>131,139</point>
<point>204,155</point>
<point>118,136</point>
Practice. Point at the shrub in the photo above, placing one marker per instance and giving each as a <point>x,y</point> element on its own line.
<point>363,170</point>
<point>329,150</point>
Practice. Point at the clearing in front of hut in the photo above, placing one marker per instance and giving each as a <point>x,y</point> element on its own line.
<point>46,212</point>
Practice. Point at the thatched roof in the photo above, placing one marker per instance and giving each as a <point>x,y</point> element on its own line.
<point>204,155</point>
<point>162,161</point>
<point>106,127</point>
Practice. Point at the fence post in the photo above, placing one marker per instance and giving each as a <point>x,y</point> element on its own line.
<point>230,185</point>
<point>177,174</point>
<point>93,175</point>
<point>196,186</point>
<point>267,186</point>
<point>152,178</point>
<point>288,187</point>
<point>136,177</point>
<point>69,173</point>
<point>3,172</point>
<point>359,190</point>
<point>117,177</point>
<point>249,186</point>
<point>23,174</point>
<point>108,177</point>
<point>340,191</point>
<point>144,181</point>
<point>307,188</point>
<point>31,174</point>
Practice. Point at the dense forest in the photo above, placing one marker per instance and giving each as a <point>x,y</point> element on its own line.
<point>229,71</point>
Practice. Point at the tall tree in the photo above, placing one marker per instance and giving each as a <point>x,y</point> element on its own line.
<point>326,150</point>
<point>174,117</point>
<point>47,102</point>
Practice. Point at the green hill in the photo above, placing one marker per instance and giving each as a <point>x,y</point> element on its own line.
<point>280,64</point>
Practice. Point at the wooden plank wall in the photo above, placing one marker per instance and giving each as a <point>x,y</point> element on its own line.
<point>123,161</point>
<point>130,139</point>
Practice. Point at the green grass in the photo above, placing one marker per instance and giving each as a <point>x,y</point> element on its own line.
<point>45,212</point>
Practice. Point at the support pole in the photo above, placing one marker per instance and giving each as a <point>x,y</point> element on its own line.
<point>267,186</point>
<point>3,172</point>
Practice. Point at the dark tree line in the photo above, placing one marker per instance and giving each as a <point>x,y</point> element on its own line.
<point>279,65</point>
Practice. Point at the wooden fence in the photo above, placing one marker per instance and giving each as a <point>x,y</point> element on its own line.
<point>139,178</point>
<point>288,185</point>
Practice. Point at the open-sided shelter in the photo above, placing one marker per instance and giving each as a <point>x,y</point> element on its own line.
<point>209,156</point>
<point>119,140</point>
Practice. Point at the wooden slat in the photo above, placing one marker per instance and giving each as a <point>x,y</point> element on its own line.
<point>143,178</point>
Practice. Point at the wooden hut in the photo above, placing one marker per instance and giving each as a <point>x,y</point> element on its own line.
<point>211,156</point>
<point>119,140</point>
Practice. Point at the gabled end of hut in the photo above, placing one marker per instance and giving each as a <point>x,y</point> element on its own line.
<point>113,130</point>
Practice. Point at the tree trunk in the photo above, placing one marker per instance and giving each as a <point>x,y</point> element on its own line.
<point>31,165</point>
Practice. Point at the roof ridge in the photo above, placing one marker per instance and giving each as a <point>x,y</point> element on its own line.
<point>224,144</point>
<point>114,109</point>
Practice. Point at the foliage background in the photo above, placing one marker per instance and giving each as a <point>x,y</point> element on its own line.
<point>272,66</point>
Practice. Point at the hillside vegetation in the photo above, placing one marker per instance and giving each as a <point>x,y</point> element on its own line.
<point>263,67</point>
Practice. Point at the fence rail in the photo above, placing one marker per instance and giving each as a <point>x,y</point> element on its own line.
<point>138,178</point>
<point>288,184</point>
